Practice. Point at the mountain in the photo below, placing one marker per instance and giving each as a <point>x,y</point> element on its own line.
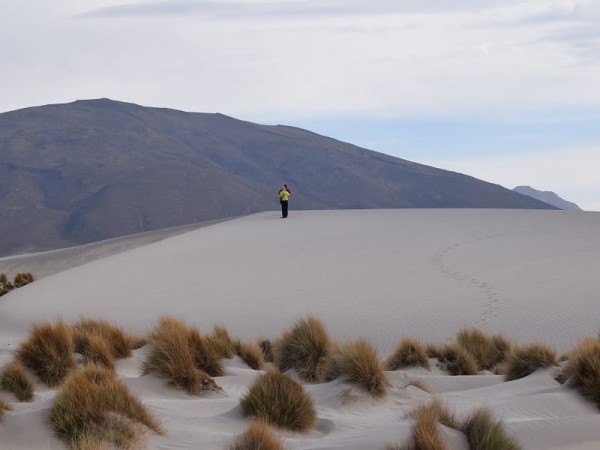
<point>96,169</point>
<point>547,197</point>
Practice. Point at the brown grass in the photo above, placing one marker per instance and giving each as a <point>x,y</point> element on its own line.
<point>116,339</point>
<point>425,431</point>
<point>171,357</point>
<point>486,433</point>
<point>48,352</point>
<point>4,406</point>
<point>93,406</point>
<point>457,361</point>
<point>220,342</point>
<point>14,378</point>
<point>524,360</point>
<point>251,354</point>
<point>279,400</point>
<point>22,278</point>
<point>135,342</point>
<point>358,363</point>
<point>433,350</point>
<point>267,349</point>
<point>419,384</point>
<point>304,348</point>
<point>409,353</point>
<point>584,369</point>
<point>95,350</point>
<point>3,278</point>
<point>487,350</point>
<point>205,358</point>
<point>258,436</point>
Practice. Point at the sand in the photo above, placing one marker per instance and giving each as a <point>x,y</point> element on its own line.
<point>377,274</point>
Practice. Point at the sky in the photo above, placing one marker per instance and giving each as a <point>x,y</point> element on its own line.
<point>506,91</point>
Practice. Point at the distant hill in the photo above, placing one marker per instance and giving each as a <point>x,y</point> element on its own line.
<point>97,169</point>
<point>548,197</point>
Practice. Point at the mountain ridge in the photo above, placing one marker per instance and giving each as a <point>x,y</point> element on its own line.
<point>89,170</point>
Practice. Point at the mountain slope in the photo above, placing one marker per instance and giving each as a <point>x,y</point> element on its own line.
<point>97,169</point>
<point>547,197</point>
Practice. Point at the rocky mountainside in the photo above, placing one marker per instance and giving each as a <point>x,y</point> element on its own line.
<point>96,169</point>
<point>547,197</point>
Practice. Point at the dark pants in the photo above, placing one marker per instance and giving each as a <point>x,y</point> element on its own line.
<point>284,208</point>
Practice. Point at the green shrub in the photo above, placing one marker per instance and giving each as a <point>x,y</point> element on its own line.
<point>48,352</point>
<point>279,400</point>
<point>14,378</point>
<point>305,348</point>
<point>408,353</point>
<point>524,360</point>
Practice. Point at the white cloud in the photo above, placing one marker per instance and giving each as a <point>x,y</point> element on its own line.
<point>570,172</point>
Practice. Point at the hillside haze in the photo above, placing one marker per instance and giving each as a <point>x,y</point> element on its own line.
<point>96,169</point>
<point>548,197</point>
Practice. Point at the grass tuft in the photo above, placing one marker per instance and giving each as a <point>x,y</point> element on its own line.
<point>487,350</point>
<point>171,357</point>
<point>419,384</point>
<point>524,360</point>
<point>205,357</point>
<point>251,354</point>
<point>584,369</point>
<point>116,339</point>
<point>279,400</point>
<point>14,378</point>
<point>258,436</point>
<point>267,349</point>
<point>425,432</point>
<point>357,362</point>
<point>457,361</point>
<point>486,433</point>
<point>93,406</point>
<point>48,352</point>
<point>304,348</point>
<point>220,342</point>
<point>95,350</point>
<point>409,353</point>
<point>4,406</point>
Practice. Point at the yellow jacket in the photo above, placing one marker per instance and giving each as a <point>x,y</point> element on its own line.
<point>284,195</point>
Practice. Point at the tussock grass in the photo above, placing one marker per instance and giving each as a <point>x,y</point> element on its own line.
<point>584,369</point>
<point>487,350</point>
<point>457,361</point>
<point>94,407</point>
<point>419,384</point>
<point>4,406</point>
<point>524,360</point>
<point>48,352</point>
<point>358,363</point>
<point>96,350</point>
<point>304,348</point>
<point>258,436</point>
<point>433,350</point>
<point>267,349</point>
<point>171,357</point>
<point>116,339</point>
<point>425,431</point>
<point>14,378</point>
<point>135,341</point>
<point>409,353</point>
<point>220,342</point>
<point>3,278</point>
<point>204,356</point>
<point>279,400</point>
<point>22,278</point>
<point>486,433</point>
<point>251,354</point>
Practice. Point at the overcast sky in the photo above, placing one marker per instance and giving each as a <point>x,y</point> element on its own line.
<point>506,91</point>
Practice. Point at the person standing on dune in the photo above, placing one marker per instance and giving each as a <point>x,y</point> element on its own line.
<point>284,196</point>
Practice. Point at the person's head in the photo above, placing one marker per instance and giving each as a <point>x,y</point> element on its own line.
<point>285,186</point>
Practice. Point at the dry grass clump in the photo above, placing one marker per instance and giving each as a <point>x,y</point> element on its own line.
<point>205,358</point>
<point>116,339</point>
<point>487,350</point>
<point>94,407</point>
<point>357,362</point>
<point>584,369</point>
<point>425,432</point>
<point>457,361</point>
<point>14,378</point>
<point>524,360</point>
<point>304,348</point>
<point>171,357</point>
<point>281,401</point>
<point>48,352</point>
<point>409,353</point>
<point>20,280</point>
<point>251,354</point>
<point>258,436</point>
<point>267,349</point>
<point>433,350</point>
<point>486,433</point>
<point>4,406</point>
<point>95,349</point>
<point>220,342</point>
<point>135,341</point>
<point>419,384</point>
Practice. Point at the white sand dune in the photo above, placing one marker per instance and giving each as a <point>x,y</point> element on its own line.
<point>382,275</point>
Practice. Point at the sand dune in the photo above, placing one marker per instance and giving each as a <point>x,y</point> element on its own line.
<point>382,275</point>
